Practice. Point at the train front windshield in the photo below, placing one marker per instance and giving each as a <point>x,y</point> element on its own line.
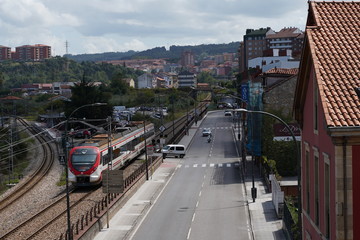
<point>83,159</point>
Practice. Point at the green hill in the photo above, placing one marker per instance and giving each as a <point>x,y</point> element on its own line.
<point>173,53</point>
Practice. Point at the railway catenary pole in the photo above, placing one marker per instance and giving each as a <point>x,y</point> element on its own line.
<point>66,151</point>
<point>146,156</point>
<point>108,170</point>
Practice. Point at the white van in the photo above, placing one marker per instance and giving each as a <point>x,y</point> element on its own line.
<point>174,150</point>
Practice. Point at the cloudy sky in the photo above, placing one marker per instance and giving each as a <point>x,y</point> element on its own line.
<point>96,26</point>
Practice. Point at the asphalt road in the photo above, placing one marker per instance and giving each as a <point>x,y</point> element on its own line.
<point>205,197</point>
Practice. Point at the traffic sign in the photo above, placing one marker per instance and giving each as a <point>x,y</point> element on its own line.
<point>162,128</point>
<point>62,159</point>
<point>115,184</point>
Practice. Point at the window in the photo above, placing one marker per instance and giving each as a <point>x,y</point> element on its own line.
<point>316,183</point>
<point>307,181</point>
<point>315,107</point>
<point>327,200</point>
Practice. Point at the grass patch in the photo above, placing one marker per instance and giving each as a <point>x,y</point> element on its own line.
<point>62,181</point>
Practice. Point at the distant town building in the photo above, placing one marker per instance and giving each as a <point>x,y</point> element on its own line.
<point>255,43</point>
<point>35,52</point>
<point>171,67</point>
<point>228,57</point>
<point>130,82</point>
<point>32,52</point>
<point>218,59</point>
<point>5,53</point>
<point>170,80</point>
<point>187,59</point>
<point>287,42</point>
<point>146,80</point>
<point>187,79</point>
<point>266,63</point>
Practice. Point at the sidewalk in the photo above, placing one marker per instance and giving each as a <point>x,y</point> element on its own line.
<point>263,220</point>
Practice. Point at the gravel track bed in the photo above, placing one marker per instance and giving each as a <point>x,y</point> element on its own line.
<point>41,196</point>
<point>59,226</point>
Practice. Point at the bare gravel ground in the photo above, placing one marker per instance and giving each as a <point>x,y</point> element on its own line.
<point>40,196</point>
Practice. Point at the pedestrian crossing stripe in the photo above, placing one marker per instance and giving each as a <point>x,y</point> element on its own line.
<point>217,128</point>
<point>212,165</point>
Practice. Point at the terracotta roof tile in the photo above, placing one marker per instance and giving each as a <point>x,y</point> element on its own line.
<point>288,71</point>
<point>335,48</point>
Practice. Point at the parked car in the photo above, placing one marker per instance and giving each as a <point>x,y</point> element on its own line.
<point>228,113</point>
<point>174,150</point>
<point>206,132</point>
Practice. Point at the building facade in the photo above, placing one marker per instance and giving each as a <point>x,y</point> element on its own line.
<point>35,52</point>
<point>288,42</point>
<point>5,53</point>
<point>326,106</point>
<point>187,79</point>
<point>187,59</point>
<point>254,43</point>
<point>146,80</point>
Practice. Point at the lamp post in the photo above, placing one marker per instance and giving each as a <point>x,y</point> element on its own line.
<point>69,232</point>
<point>297,158</point>
<point>242,142</point>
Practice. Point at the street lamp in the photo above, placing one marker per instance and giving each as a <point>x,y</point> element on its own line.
<point>70,237</point>
<point>241,143</point>
<point>297,157</point>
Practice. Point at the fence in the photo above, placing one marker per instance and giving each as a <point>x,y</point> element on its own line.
<point>277,196</point>
<point>289,224</point>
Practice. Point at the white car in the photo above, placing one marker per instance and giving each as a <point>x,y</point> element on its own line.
<point>228,113</point>
<point>206,132</point>
<point>174,150</point>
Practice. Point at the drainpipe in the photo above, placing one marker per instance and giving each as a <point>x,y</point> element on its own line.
<point>345,188</point>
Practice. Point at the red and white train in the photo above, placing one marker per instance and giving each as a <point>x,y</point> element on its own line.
<point>87,162</point>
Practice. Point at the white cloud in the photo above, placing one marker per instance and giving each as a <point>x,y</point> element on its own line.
<point>121,25</point>
<point>108,44</point>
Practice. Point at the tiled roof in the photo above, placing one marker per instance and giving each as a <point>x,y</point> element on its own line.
<point>286,33</point>
<point>10,98</point>
<point>333,32</point>
<point>287,71</point>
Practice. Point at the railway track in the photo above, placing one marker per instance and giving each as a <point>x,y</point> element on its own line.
<point>46,162</point>
<point>32,227</point>
<point>40,224</point>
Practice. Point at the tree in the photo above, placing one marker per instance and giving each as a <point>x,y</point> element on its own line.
<point>118,85</point>
<point>2,81</point>
<point>205,77</point>
<point>86,93</point>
